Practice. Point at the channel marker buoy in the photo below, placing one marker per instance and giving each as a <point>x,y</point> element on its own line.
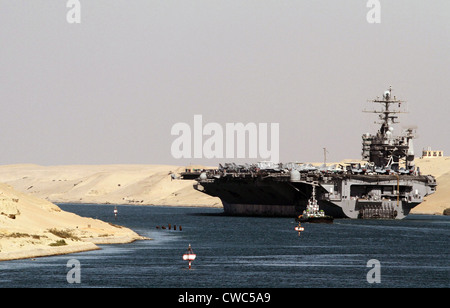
<point>189,256</point>
<point>299,229</point>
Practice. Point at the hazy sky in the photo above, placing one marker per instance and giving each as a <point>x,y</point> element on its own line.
<point>109,90</point>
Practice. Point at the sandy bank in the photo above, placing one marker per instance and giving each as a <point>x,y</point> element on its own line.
<point>33,227</point>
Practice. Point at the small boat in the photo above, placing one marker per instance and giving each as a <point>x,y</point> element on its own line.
<point>312,213</point>
<point>316,219</point>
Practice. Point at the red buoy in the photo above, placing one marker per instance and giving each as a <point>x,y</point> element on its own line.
<point>299,229</point>
<point>189,256</point>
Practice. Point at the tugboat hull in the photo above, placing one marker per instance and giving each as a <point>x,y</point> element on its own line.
<point>319,220</point>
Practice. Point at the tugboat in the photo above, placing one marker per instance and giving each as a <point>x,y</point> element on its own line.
<point>312,212</point>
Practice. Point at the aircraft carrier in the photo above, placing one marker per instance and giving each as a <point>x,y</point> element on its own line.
<point>385,184</point>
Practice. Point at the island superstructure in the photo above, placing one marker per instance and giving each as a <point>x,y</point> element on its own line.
<point>385,185</point>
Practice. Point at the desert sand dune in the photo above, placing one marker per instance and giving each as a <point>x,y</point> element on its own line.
<point>440,200</point>
<point>115,184</point>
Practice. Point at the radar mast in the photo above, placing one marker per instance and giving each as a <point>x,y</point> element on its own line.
<point>384,149</point>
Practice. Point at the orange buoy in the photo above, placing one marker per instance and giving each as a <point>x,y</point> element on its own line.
<point>299,229</point>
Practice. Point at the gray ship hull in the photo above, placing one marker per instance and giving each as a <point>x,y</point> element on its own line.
<point>380,210</point>
<point>339,196</point>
